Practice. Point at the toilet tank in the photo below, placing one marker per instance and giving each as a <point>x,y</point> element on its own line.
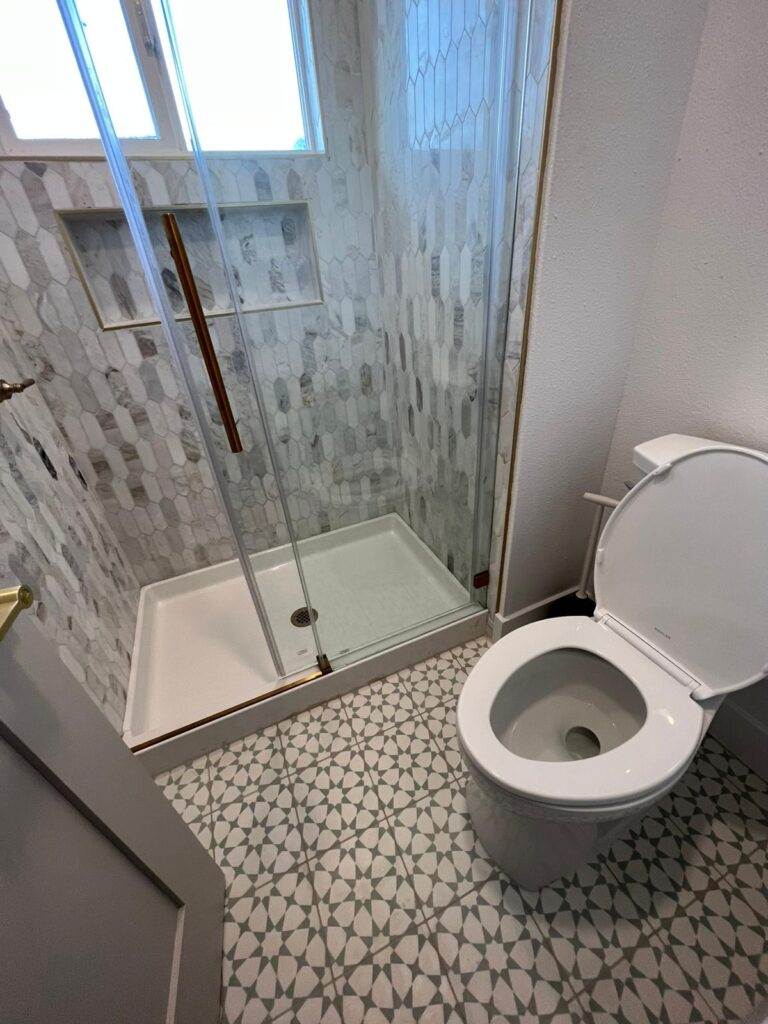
<point>650,454</point>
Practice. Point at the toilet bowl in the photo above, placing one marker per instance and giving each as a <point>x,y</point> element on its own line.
<point>571,728</point>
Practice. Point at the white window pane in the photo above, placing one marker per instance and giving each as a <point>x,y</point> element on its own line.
<point>240,71</point>
<point>39,81</point>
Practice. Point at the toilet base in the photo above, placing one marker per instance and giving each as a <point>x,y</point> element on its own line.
<point>531,846</point>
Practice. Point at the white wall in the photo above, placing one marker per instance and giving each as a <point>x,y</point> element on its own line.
<point>700,356</point>
<point>699,362</point>
<point>625,71</point>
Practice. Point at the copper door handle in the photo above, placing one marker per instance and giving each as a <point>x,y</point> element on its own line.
<point>189,287</point>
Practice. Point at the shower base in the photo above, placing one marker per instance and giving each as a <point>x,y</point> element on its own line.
<point>199,648</point>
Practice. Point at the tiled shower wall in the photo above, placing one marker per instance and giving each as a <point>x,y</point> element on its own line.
<point>116,397</point>
<point>54,536</point>
<point>431,113</point>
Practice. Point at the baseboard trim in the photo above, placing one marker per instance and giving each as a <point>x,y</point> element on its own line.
<point>503,624</point>
<point>743,735</point>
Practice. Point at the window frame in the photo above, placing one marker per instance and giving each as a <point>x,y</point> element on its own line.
<point>170,142</point>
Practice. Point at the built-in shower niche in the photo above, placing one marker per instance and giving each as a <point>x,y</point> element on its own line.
<point>270,248</point>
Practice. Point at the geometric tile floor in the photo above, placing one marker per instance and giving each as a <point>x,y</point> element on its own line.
<point>357,891</point>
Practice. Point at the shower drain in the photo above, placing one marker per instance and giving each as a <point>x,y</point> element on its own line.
<point>303,616</point>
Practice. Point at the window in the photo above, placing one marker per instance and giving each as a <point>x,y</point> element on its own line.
<point>248,69</point>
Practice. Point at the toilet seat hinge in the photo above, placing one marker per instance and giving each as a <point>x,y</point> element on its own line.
<point>678,673</point>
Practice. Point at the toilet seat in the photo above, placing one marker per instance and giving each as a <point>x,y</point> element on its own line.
<point>648,762</point>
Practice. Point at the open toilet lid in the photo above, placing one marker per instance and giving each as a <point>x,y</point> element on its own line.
<point>683,563</point>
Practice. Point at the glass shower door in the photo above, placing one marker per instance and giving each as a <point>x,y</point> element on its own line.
<point>344,279</point>
<point>367,343</point>
<point>165,263</point>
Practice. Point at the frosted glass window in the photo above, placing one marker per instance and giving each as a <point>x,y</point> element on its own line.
<point>39,81</point>
<point>240,71</point>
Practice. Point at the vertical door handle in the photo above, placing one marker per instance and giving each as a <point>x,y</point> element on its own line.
<point>189,287</point>
<point>12,600</point>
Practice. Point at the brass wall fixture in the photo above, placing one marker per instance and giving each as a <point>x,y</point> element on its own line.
<point>8,389</point>
<point>189,287</point>
<point>12,601</point>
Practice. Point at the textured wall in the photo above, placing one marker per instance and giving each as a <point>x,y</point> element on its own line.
<point>54,536</point>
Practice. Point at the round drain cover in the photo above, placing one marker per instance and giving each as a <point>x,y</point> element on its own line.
<point>303,616</point>
<point>581,743</point>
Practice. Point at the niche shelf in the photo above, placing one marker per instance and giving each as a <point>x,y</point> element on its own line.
<point>270,247</point>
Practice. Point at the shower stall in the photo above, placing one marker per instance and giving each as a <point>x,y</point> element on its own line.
<point>299,269</point>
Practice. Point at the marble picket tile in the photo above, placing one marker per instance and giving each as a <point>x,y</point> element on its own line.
<point>402,983</point>
<point>406,763</point>
<point>364,895</point>
<point>442,855</point>
<point>334,800</point>
<point>645,987</point>
<point>312,736</point>
<point>497,963</point>
<point>382,704</point>
<point>257,837</point>
<point>188,789</point>
<point>241,766</point>
<point>275,958</point>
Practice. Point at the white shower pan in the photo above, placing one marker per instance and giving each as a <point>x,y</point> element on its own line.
<point>199,649</point>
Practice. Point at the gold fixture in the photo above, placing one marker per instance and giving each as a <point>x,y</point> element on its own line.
<point>8,389</point>
<point>12,601</point>
<point>189,287</point>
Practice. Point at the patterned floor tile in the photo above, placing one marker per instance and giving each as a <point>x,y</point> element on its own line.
<point>359,892</point>
<point>188,789</point>
<point>469,654</point>
<point>658,866</point>
<point>436,682</point>
<point>315,735</point>
<point>378,706</point>
<point>442,854</point>
<point>245,764</point>
<point>317,1009</point>
<point>719,818</point>
<point>498,966</point>
<point>406,764</point>
<point>644,987</point>
<point>364,896</point>
<point>334,800</point>
<point>401,984</point>
<point>275,958</point>
<point>257,837</point>
<point>588,920</point>
<point>718,941</point>
<point>441,722</point>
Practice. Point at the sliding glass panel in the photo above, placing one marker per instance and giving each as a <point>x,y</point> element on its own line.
<point>200,484</point>
<point>362,278</point>
<point>347,268</point>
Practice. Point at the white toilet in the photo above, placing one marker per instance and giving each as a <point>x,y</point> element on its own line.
<point>573,727</point>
